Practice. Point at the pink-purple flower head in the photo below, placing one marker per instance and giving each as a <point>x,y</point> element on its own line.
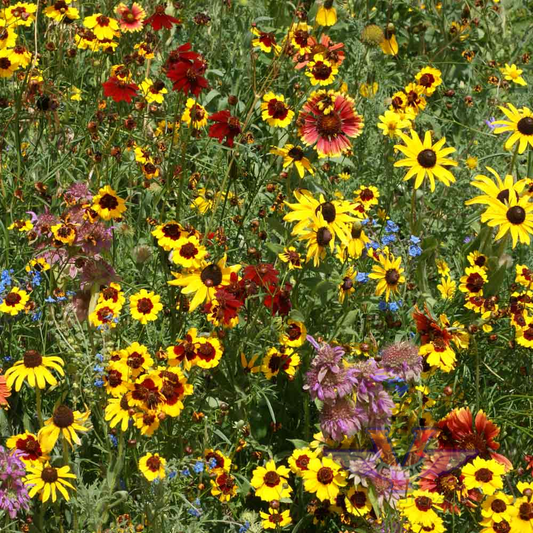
<point>13,493</point>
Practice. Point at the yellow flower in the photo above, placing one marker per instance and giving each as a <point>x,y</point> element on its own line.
<point>8,38</point>
<point>347,286</point>
<point>75,94</point>
<point>368,90</point>
<point>8,63</point>
<point>447,288</point>
<point>497,507</point>
<point>117,412</point>
<point>153,92</point>
<point>14,301</point>
<point>271,483</point>
<point>168,235</point>
<point>419,508</point>
<point>194,114</point>
<point>513,73</point>
<point>294,155</point>
<point>294,335</point>
<point>324,478</point>
<point>61,10</point>
<point>22,226</point>
<point>209,351</point>
<point>300,458</point>
<point>188,252</point>
<point>326,14</point>
<point>104,314</point>
<point>47,481</point>
<point>103,27</point>
<point>108,204</point>
<point>276,361</point>
<point>145,306</point>
<point>275,519</point>
<point>429,79</point>
<point>248,366</point>
<point>265,41</point>
<point>33,368</point>
<point>442,267</point>
<point>484,475</point>
<point>275,112</point>
<point>152,466</point>
<point>389,45</point>
<point>391,123</point>
<point>357,502</point>
<point>520,123</point>
<point>64,233</point>
<point>20,14</point>
<point>471,162</point>
<point>223,486</point>
<point>438,354</point>
<point>29,448</point>
<point>291,257</point>
<point>389,273</point>
<point>320,71</point>
<point>63,422</point>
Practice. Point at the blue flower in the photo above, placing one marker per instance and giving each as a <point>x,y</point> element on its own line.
<point>362,277</point>
<point>114,440</point>
<point>172,474</point>
<point>393,306</point>
<point>372,244</point>
<point>382,305</point>
<point>414,250</point>
<point>185,472</point>
<point>37,316</point>
<point>212,463</point>
<point>50,300</point>
<point>391,227</point>
<point>198,467</point>
<point>99,382</point>
<point>245,527</point>
<point>388,239</point>
<point>195,512</point>
<point>414,239</point>
<point>98,368</point>
<point>100,357</point>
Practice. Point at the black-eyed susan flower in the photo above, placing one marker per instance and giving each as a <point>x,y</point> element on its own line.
<point>14,301</point>
<point>357,501</point>
<point>224,486</point>
<point>420,507</point>
<point>152,466</point>
<point>61,10</point>
<point>209,351</point>
<point>145,306</point>
<point>391,123</point>
<point>426,159</point>
<point>320,71</point>
<point>64,422</point>
<point>294,334</point>
<point>294,155</point>
<point>318,237</point>
<point>514,74</point>
<point>108,204</point>
<point>194,114</point>
<point>447,287</point>
<point>282,360</point>
<point>118,411</point>
<point>356,242</point>
<point>153,91</point>
<point>275,519</point>
<point>46,481</point>
<point>429,78</point>
<point>168,235</point>
<point>519,123</point>
<point>271,482</point>
<point>8,38</point>
<point>326,14</point>
<point>188,252</point>
<point>105,314</point>
<point>300,459</point>
<point>483,474</point>
<point>103,27</point>
<point>266,41</point>
<point>324,477</point>
<point>275,112</point>
<point>522,515</point>
<point>347,285</point>
<point>204,282</point>
<point>34,368</point>
<point>28,447</point>
<point>291,257</point>
<point>389,273</point>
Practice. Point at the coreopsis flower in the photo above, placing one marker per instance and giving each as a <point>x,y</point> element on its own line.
<point>147,422</point>
<point>20,14</point>
<point>112,294</point>
<point>282,360</point>
<point>159,19</point>
<point>46,481</point>
<point>266,41</point>
<point>324,477</point>
<point>291,257</point>
<point>320,71</point>
<point>473,281</point>
<point>328,120</point>
<point>326,47</point>
<point>14,496</point>
<point>429,78</point>
<point>135,360</point>
<point>64,233</point>
<point>497,507</point>
<point>248,366</point>
<point>130,19</point>
<point>34,368</point>
<point>294,334</point>
<point>9,63</point>
<point>300,458</point>
<point>28,448</point>
<point>188,252</point>
<point>391,123</point>
<point>120,90</point>
<point>153,92</point>
<point>275,112</point>
<point>64,422</point>
<point>367,195</point>
<point>447,287</point>
<point>522,515</point>
<point>275,518</point>
<point>299,37</point>
<point>205,282</point>
<point>224,486</point>
<point>14,301</point>
<point>439,354</point>
<point>152,466</point>
<point>209,351</point>
<point>184,351</point>
<point>271,482</point>
<point>426,159</point>
<point>8,38</point>
<point>105,314</point>
<point>225,128</point>
<point>326,14</point>
<point>420,507</point>
<point>168,235</point>
<point>108,204</point>
<point>219,461</point>
<point>519,122</point>
<point>294,155</point>
<point>514,74</point>
<point>61,11</point>
<point>194,114</point>
<point>145,306</point>
<point>485,475</point>
<point>103,27</point>
<point>187,77</point>
<point>416,101</point>
<point>357,501</point>
<point>389,273</point>
<point>524,276</point>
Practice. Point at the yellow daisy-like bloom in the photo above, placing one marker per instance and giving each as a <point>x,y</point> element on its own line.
<point>389,44</point>
<point>194,114</point>
<point>483,474</point>
<point>435,526</point>
<point>64,234</point>
<point>391,123</point>
<point>276,361</point>
<point>209,351</point>
<point>426,159</point>
<point>368,90</point>
<point>429,78</point>
<point>29,448</point>
<point>347,286</point>
<point>8,37</point>
<point>275,519</point>
<point>476,258</point>
<point>145,306</point>
<point>14,301</point>
<point>33,368</point>
<point>357,502</point>
<point>471,162</point>
<point>320,71</point>
<point>324,478</point>
<point>8,63</point>
<point>326,14</point>
<point>520,123</point>
<point>103,27</point>
<point>20,14</point>
<point>152,466</point>
<point>47,481</point>
<point>135,360</point>
<point>248,366</point>
<point>367,195</point>
<point>147,421</point>
<point>298,36</point>
<point>63,422</point>
<point>205,282</point>
<point>61,10</point>
<point>224,487</point>
<point>513,73</point>
<point>265,41</point>
<point>188,252</point>
<point>294,155</point>
<point>442,267</point>
<point>117,412</point>
<point>389,273</point>
<point>356,243</point>
<point>222,462</point>
<point>522,516</point>
<point>275,112</point>
<point>105,314</point>
<point>75,94</point>
<point>21,225</point>
<point>112,294</point>
<point>153,92</point>
<point>524,276</point>
<point>515,217</point>
<point>420,507</point>
<point>497,507</point>
<point>318,237</point>
<point>300,458</point>
<point>473,281</point>
<point>291,257</point>
<point>117,378</point>
<point>447,287</point>
<point>108,204</point>
<point>438,354</point>
<point>415,98</point>
<point>271,483</point>
<point>168,235</point>
<point>294,335</point>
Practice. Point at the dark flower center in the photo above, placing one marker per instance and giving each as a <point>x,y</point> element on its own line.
<point>392,277</point>
<point>135,360</point>
<point>484,475</point>
<point>274,363</point>
<point>102,21</point>
<point>114,378</point>
<point>347,284</point>
<point>277,109</point>
<point>108,201</point>
<point>13,298</point>
<point>502,527</point>
<point>328,211</point>
<point>321,71</point>
<point>358,499</point>
<point>302,462</point>
<point>32,359</point>
<point>207,352</point>
<point>129,17</point>
<point>296,153</point>
<point>423,503</point>
<point>197,113</point>
<point>172,231</point>
<point>525,126</point>
<point>323,237</point>
<point>211,275</point>
<point>366,195</point>
<point>480,261</point>
<point>427,80</point>
<point>49,475</point>
<point>526,511</point>
<point>474,282</point>
<point>293,332</point>
<point>272,479</point>
<point>144,306</point>
<point>325,475</point>
<point>498,506</point>
<point>516,215</point>
<point>397,102</point>
<point>357,229</point>
<point>109,293</point>
<point>504,195</point>
<point>124,405</point>
<point>188,250</point>
<point>301,37</point>
<point>225,482</point>
<point>63,417</point>
<point>329,125</point>
<point>4,63</point>
<point>153,463</point>
<point>427,158</point>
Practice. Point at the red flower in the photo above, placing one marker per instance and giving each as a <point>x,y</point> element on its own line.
<point>226,307</point>
<point>428,329</point>
<point>227,126</point>
<point>182,54</point>
<point>119,90</point>
<point>161,20</point>
<point>263,274</point>
<point>279,299</point>
<point>188,77</point>
<point>529,460</point>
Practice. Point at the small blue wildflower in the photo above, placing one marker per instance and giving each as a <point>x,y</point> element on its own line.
<point>100,357</point>
<point>99,382</point>
<point>114,440</point>
<point>393,306</point>
<point>172,474</point>
<point>382,305</point>
<point>186,472</point>
<point>245,527</point>
<point>70,293</point>
<point>50,300</point>
<point>414,239</point>
<point>193,511</point>
<point>414,250</point>
<point>391,227</point>
<point>37,316</point>
<point>362,277</point>
<point>212,463</point>
<point>61,298</point>
<point>98,368</point>
<point>388,239</point>
<point>198,467</point>
<point>372,244</point>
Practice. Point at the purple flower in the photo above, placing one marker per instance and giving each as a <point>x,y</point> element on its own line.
<point>94,238</point>
<point>97,272</point>
<point>490,123</point>
<point>402,361</point>
<point>13,493</point>
<point>341,417</point>
<point>79,191</point>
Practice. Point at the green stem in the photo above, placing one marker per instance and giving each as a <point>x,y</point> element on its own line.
<point>38,404</point>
